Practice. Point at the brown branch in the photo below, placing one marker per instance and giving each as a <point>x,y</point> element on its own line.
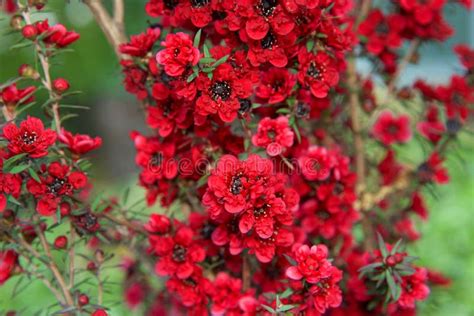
<point>113,29</point>
<point>246,273</point>
<point>364,9</point>
<point>47,83</point>
<point>403,64</point>
<point>125,222</point>
<point>54,268</point>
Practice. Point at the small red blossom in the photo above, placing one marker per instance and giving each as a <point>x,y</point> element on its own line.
<point>79,144</point>
<point>12,96</point>
<point>8,262</point>
<point>275,135</point>
<point>414,288</point>
<point>178,54</point>
<point>141,44</point>
<point>276,86</point>
<point>317,72</point>
<point>60,85</point>
<point>179,254</point>
<point>30,137</point>
<point>390,129</point>
<point>311,264</point>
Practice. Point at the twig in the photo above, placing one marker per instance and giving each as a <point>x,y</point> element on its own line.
<point>54,268</point>
<point>125,222</point>
<point>403,64</point>
<point>119,12</point>
<point>363,11</point>
<point>47,83</point>
<point>113,31</point>
<point>72,253</point>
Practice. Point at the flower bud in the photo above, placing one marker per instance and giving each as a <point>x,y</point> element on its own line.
<point>99,312</point>
<point>91,266</point>
<point>16,22</point>
<point>391,261</point>
<point>26,71</point>
<point>60,85</point>
<point>60,242</point>
<point>65,209</point>
<point>29,32</point>
<point>83,300</point>
<point>38,4</point>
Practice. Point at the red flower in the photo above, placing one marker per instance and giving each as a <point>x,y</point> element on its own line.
<point>178,54</point>
<point>191,292</point>
<point>60,85</point>
<point>317,163</point>
<point>390,129</point>
<point>59,35</point>
<point>466,55</point>
<point>221,94</point>
<point>432,128</point>
<point>433,170</point>
<point>275,85</point>
<point>424,11</point>
<point>389,168</point>
<point>12,96</point>
<point>268,14</point>
<point>225,295</point>
<point>8,262</point>
<point>311,264</point>
<point>141,44</point>
<point>414,288</point>
<point>9,184</point>
<point>327,293</point>
<point>317,72</point>
<point>57,180</point>
<point>179,254</point>
<point>30,137</point>
<point>274,134</point>
<point>79,144</point>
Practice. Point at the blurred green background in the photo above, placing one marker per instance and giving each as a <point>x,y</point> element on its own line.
<point>447,244</point>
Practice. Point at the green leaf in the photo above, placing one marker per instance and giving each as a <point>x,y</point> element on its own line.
<point>283,111</point>
<point>206,60</point>
<point>19,168</point>
<point>21,45</point>
<point>7,163</point>
<point>191,77</point>
<point>221,60</point>
<point>208,69</point>
<point>25,107</point>
<point>297,132</point>
<point>269,309</point>
<point>13,200</point>
<point>286,293</point>
<point>396,247</point>
<point>309,45</point>
<point>382,246</point>
<point>286,308</point>
<point>34,175</point>
<point>206,51</point>
<point>391,285</point>
<point>197,38</point>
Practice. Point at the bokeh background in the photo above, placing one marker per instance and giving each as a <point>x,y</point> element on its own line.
<point>447,244</point>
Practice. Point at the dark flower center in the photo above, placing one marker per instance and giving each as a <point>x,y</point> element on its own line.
<point>199,3</point>
<point>245,106</point>
<point>302,110</point>
<point>207,230</point>
<point>179,253</point>
<point>236,185</point>
<point>382,28</point>
<point>156,159</point>
<point>453,126</point>
<point>261,211</point>
<point>170,4</point>
<point>313,71</point>
<point>267,7</point>
<point>323,215</point>
<point>268,41</point>
<point>392,129</point>
<point>220,90</point>
<point>56,185</point>
<point>219,15</point>
<point>29,138</point>
<point>424,172</point>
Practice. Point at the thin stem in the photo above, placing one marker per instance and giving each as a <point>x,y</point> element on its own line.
<point>402,65</point>
<point>72,253</point>
<point>113,31</point>
<point>246,273</point>
<point>119,13</point>
<point>54,268</point>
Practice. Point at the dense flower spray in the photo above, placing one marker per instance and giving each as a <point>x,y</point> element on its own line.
<point>273,174</point>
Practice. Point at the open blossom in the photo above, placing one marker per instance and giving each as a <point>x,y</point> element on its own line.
<point>56,181</point>
<point>30,137</point>
<point>10,184</point>
<point>276,85</point>
<point>317,72</point>
<point>141,44</point>
<point>178,254</point>
<point>60,36</point>
<point>390,129</point>
<point>11,95</point>
<point>275,135</point>
<point>311,264</point>
<point>79,144</point>
<point>178,54</point>
<point>414,288</point>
